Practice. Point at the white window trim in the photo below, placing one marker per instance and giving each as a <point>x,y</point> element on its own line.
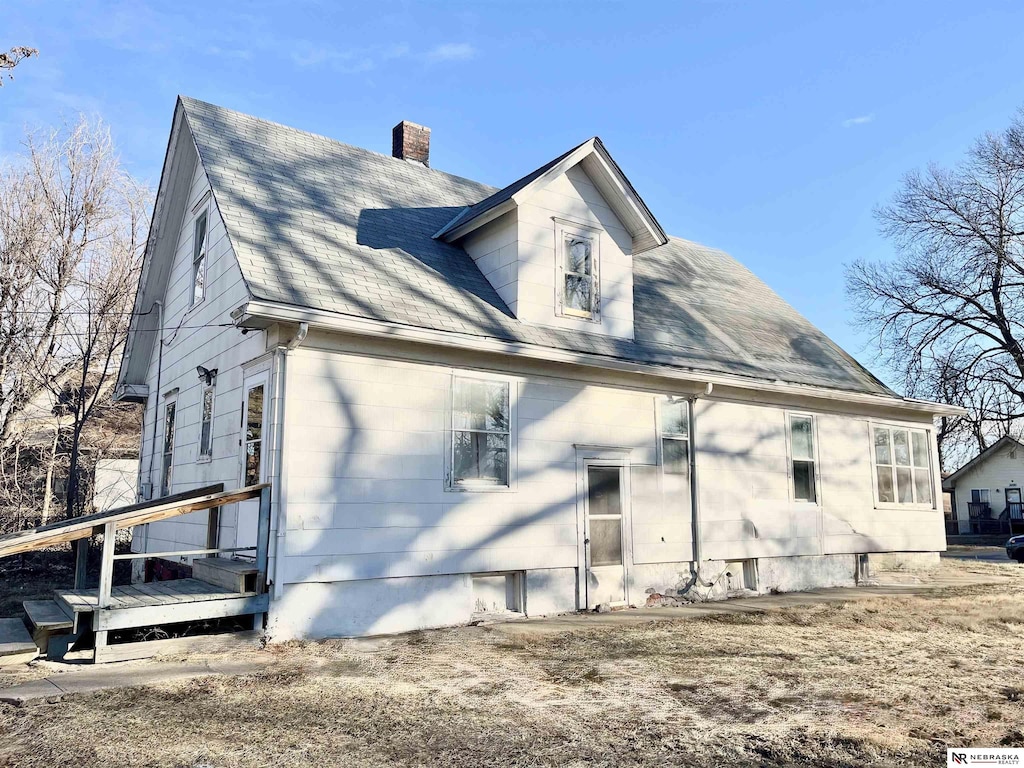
<point>910,427</point>
<point>564,229</point>
<point>171,398</point>
<point>816,458</point>
<point>513,452</point>
<point>206,458</point>
<point>199,212</point>
<point>660,430</point>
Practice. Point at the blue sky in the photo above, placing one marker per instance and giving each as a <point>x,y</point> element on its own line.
<point>770,130</point>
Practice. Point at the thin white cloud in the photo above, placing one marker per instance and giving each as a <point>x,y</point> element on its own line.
<point>229,53</point>
<point>451,52</point>
<point>860,120</point>
<point>350,61</point>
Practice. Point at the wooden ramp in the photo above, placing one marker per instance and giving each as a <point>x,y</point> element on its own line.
<point>226,588</point>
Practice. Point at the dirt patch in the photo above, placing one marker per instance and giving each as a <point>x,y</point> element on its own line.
<point>887,681</point>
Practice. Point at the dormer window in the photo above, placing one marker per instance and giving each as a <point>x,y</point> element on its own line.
<point>578,285</point>
<point>199,260</point>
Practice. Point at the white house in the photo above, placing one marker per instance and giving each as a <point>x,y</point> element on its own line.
<point>470,400</point>
<point>986,490</point>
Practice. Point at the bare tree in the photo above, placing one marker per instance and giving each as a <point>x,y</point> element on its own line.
<point>12,58</point>
<point>72,224</point>
<point>948,311</point>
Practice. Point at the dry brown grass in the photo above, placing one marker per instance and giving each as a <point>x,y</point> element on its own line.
<point>888,681</point>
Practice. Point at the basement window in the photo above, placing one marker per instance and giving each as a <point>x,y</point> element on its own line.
<point>199,241</point>
<point>578,286</point>
<point>480,433</point>
<point>902,466</point>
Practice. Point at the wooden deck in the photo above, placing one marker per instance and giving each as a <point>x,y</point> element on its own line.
<point>158,602</point>
<point>153,593</point>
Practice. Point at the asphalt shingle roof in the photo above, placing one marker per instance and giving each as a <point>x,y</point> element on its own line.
<point>321,224</point>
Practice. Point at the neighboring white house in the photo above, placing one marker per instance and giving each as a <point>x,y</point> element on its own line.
<point>986,490</point>
<point>470,400</point>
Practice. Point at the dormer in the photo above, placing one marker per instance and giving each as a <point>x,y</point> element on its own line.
<point>558,245</point>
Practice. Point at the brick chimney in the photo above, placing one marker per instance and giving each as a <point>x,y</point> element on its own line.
<point>411,142</point>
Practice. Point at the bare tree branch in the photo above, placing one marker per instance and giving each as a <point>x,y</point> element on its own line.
<point>13,58</point>
<point>947,313</point>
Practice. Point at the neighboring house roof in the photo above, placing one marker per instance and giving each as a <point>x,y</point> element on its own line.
<point>322,225</point>
<point>949,481</point>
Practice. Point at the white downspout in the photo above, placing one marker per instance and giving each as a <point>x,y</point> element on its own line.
<point>278,492</point>
<point>694,493</point>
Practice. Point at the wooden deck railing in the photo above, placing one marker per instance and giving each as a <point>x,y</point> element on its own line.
<point>208,501</point>
<point>979,509</point>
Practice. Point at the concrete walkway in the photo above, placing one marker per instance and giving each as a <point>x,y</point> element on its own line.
<point>81,679</point>
<point>987,554</point>
<point>888,585</point>
<point>89,679</point>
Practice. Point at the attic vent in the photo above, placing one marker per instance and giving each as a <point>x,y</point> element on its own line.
<point>411,142</point>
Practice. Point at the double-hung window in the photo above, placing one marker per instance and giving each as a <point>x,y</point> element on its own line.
<point>902,466</point>
<point>206,423</point>
<point>167,465</point>
<point>675,436</point>
<point>480,433</point>
<point>199,246</point>
<point>801,446</point>
<point>578,286</point>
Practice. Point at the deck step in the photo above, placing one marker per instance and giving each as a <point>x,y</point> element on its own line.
<point>16,644</point>
<point>46,619</point>
<point>235,575</point>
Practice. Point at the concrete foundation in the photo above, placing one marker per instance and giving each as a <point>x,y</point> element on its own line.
<point>388,606</point>
<point>911,562</point>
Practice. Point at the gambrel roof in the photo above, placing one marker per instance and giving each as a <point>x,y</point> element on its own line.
<point>318,224</point>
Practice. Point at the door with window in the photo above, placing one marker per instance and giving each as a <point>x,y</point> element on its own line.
<point>254,458</point>
<point>1013,504</point>
<point>605,534</point>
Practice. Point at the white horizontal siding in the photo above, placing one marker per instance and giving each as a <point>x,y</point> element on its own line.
<point>201,339</point>
<point>367,498</point>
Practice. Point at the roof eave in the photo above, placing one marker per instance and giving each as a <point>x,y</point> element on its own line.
<point>613,184</point>
<point>259,314</point>
<point>457,232</point>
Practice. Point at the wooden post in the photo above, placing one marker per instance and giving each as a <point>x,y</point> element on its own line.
<point>263,541</point>
<point>107,564</point>
<point>106,579</point>
<point>81,562</point>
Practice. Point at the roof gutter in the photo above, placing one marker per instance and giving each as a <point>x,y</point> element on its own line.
<point>260,314</point>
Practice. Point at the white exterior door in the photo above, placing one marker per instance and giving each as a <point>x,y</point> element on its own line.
<point>254,457</point>
<point>605,533</point>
